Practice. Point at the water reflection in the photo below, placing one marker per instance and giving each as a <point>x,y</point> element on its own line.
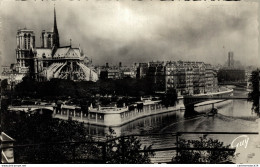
<point>238,108</point>
<point>229,111</point>
<point>151,124</point>
<point>234,116</point>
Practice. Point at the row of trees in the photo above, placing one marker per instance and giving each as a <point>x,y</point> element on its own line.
<point>231,75</point>
<point>59,87</point>
<point>86,91</point>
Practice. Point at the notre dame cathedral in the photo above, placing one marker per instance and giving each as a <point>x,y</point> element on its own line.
<point>51,60</point>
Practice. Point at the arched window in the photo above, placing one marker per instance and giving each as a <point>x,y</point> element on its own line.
<point>49,41</point>
<point>29,41</point>
<point>25,41</point>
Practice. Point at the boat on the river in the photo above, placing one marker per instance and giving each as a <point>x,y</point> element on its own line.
<point>212,112</point>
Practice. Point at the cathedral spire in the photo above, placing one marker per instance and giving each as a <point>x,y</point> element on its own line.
<point>56,40</point>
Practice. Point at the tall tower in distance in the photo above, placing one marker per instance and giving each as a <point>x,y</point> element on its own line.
<point>230,59</point>
<point>51,39</point>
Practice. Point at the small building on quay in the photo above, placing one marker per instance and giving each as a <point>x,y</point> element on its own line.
<point>102,116</point>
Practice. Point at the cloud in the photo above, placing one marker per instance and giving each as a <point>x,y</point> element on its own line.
<point>133,31</point>
<point>1,58</point>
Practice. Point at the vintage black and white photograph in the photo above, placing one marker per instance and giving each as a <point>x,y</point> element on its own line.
<point>129,82</point>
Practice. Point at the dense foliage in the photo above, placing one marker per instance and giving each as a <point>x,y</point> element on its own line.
<point>104,92</point>
<point>170,98</point>
<point>127,150</point>
<point>255,93</point>
<point>231,75</point>
<point>203,156</point>
<point>4,84</point>
<point>59,88</point>
<point>40,128</point>
<point>55,136</point>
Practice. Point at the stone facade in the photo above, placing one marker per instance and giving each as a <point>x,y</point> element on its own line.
<point>184,76</point>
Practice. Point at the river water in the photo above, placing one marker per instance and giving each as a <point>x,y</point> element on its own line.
<point>233,116</point>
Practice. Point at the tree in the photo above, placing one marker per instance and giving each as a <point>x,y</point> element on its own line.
<point>170,98</point>
<point>39,129</point>
<point>127,150</point>
<point>203,156</point>
<point>255,93</point>
<point>57,88</point>
<point>4,84</point>
<point>27,88</point>
<point>106,87</point>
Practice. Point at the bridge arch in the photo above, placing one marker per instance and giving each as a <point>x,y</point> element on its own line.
<point>42,111</point>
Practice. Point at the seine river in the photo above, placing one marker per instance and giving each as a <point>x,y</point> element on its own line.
<point>233,116</point>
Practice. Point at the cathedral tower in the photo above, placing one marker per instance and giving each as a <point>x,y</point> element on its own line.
<point>51,39</point>
<point>56,40</point>
<point>25,40</point>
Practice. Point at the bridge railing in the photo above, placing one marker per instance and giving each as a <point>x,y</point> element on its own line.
<point>101,151</point>
<point>59,152</point>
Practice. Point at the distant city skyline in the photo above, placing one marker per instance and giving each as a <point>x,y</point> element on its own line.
<point>129,32</point>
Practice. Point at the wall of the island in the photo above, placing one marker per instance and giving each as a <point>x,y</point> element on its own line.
<point>111,117</point>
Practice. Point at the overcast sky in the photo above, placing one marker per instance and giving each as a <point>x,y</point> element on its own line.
<point>139,31</point>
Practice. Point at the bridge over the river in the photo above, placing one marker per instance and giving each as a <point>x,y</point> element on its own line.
<point>32,108</point>
<point>190,100</point>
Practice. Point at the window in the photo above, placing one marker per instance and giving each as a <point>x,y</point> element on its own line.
<point>29,40</point>
<point>25,41</point>
<point>44,64</point>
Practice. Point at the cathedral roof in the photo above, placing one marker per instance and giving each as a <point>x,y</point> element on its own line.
<point>67,52</point>
<point>61,52</point>
<point>43,52</point>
